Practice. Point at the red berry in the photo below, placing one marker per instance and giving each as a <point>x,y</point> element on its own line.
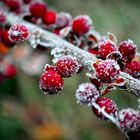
<point>49,17</point>
<point>10,71</point>
<point>108,105</point>
<point>51,82</point>
<point>14,5</point>
<point>5,39</point>
<point>27,1</point>
<point>133,68</point>
<point>18,33</point>
<point>63,19</point>
<point>129,119</point>
<point>2,18</point>
<point>105,48</point>
<point>128,50</point>
<point>67,66</point>
<point>81,24</point>
<point>107,71</point>
<point>86,94</point>
<point>38,9</point>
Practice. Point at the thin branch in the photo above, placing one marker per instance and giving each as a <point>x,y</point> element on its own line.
<point>86,59</point>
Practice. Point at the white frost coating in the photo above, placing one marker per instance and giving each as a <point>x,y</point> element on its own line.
<point>111,118</point>
<point>85,58</point>
<point>86,94</point>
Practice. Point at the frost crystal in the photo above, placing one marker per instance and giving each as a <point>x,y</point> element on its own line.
<point>129,119</point>
<point>86,94</point>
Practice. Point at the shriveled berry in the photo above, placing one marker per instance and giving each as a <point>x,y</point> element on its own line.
<point>81,24</point>
<point>107,71</point>
<point>51,82</point>
<point>14,5</point>
<point>37,9</point>
<point>129,119</point>
<point>128,50</point>
<point>49,17</point>
<point>63,19</point>
<point>133,68</point>
<point>86,94</point>
<point>108,105</point>
<point>18,33</point>
<point>5,39</point>
<point>105,48</point>
<point>67,66</point>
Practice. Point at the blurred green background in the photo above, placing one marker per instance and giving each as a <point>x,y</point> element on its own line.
<point>26,113</point>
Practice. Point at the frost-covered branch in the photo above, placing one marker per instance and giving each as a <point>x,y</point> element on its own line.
<point>86,59</point>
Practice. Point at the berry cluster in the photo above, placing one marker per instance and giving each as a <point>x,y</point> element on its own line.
<point>51,80</point>
<point>111,58</point>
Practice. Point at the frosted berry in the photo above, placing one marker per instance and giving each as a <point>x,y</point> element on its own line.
<point>27,1</point>
<point>86,94</point>
<point>49,17</point>
<point>18,33</point>
<point>67,66</point>
<point>133,68</point>
<point>51,82</point>
<point>107,71</point>
<point>2,18</point>
<point>13,5</point>
<point>108,105</point>
<point>129,119</point>
<point>81,24</point>
<point>63,19</point>
<point>38,9</point>
<point>105,48</point>
<point>128,50</point>
<point>5,39</point>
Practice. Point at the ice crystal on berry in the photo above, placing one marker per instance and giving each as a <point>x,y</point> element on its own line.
<point>105,48</point>
<point>86,94</point>
<point>51,82</point>
<point>67,66</point>
<point>133,68</point>
<point>18,33</point>
<point>109,107</point>
<point>128,50</point>
<point>129,119</point>
<point>107,70</point>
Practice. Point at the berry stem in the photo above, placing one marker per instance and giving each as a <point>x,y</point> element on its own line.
<point>86,59</point>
